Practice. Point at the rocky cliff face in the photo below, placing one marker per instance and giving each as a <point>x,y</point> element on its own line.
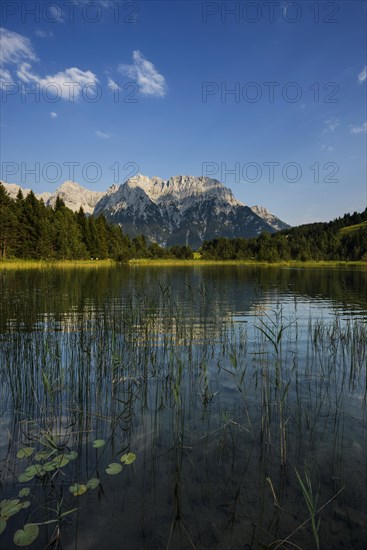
<point>180,210</point>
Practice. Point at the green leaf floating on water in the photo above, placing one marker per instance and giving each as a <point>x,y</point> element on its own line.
<point>60,461</point>
<point>25,452</point>
<point>42,455</point>
<point>10,508</point>
<point>24,477</point>
<point>71,456</point>
<point>98,443</point>
<point>113,469</point>
<point>2,524</point>
<point>93,483</point>
<point>78,489</point>
<point>128,458</point>
<point>25,537</point>
<point>24,492</point>
<point>49,466</point>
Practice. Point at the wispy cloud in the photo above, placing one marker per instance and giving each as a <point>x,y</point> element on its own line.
<point>112,85</point>
<point>331,125</point>
<point>144,73</point>
<point>67,84</point>
<point>15,48</point>
<point>43,34</point>
<point>102,135</point>
<point>358,129</point>
<point>17,52</point>
<point>5,78</point>
<point>327,148</point>
<point>362,75</point>
<point>53,114</point>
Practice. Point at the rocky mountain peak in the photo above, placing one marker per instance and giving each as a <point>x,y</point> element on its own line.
<point>181,210</point>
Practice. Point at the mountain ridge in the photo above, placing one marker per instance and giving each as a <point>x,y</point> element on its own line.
<point>180,210</point>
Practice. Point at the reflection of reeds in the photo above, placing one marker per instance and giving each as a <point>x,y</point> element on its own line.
<point>168,375</point>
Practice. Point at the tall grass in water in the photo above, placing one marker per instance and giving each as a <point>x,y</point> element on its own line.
<point>219,415</point>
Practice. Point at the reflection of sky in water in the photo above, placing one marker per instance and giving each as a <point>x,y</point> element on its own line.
<point>201,296</point>
<point>121,335</point>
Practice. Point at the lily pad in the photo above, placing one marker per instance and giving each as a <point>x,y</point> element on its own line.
<point>128,458</point>
<point>2,525</point>
<point>10,508</point>
<point>25,452</point>
<point>113,469</point>
<point>34,470</point>
<point>93,483</point>
<point>42,455</point>
<point>78,489</point>
<point>60,461</point>
<point>24,492</point>
<point>25,477</point>
<point>49,466</point>
<point>25,537</point>
<point>71,456</point>
<point>98,443</point>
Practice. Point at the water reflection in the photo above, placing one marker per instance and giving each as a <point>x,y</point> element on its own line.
<point>222,380</point>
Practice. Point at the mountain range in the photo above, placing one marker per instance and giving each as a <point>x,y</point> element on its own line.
<point>180,210</point>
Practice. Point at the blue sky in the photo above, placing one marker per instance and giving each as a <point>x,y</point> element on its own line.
<point>152,84</point>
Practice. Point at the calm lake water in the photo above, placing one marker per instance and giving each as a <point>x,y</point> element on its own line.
<point>242,392</point>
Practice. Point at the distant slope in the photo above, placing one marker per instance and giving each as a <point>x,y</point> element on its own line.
<point>342,239</point>
<point>353,228</point>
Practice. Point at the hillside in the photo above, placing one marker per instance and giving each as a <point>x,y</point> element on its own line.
<point>342,239</point>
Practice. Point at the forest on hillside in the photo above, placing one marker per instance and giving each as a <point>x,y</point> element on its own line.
<point>31,230</point>
<point>331,241</point>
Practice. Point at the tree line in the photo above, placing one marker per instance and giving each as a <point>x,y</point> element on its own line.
<point>310,242</point>
<point>31,230</point>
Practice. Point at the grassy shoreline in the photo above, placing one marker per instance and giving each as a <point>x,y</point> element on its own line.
<point>58,264</point>
<point>200,262</point>
<point>196,262</point>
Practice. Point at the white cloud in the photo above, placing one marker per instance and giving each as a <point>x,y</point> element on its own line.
<point>112,85</point>
<point>331,125</point>
<point>67,84</point>
<point>5,78</point>
<point>53,114</point>
<point>358,129</point>
<point>102,135</point>
<point>15,48</point>
<point>144,73</point>
<point>327,148</point>
<point>363,74</point>
<point>44,34</point>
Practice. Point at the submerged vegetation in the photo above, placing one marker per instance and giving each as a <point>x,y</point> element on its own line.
<point>248,428</point>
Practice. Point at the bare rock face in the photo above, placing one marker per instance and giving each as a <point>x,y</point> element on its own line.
<point>180,210</point>
<point>76,196</point>
<point>183,210</point>
<point>270,218</point>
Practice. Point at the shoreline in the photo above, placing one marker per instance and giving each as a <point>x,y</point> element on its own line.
<point>156,262</point>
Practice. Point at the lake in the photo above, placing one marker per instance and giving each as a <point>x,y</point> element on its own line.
<point>209,407</point>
